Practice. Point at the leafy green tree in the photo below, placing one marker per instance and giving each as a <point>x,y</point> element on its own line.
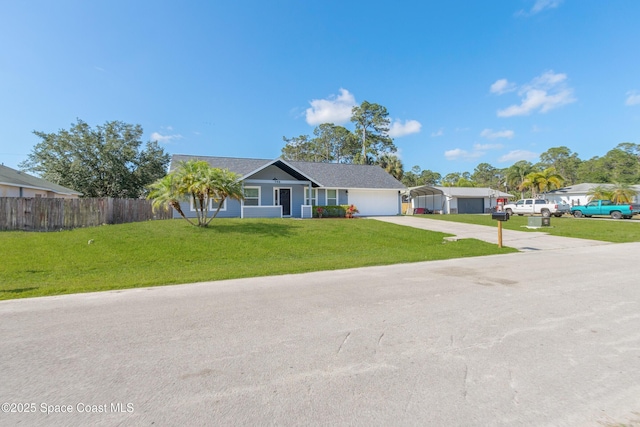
<point>516,175</point>
<point>429,177</point>
<point>103,162</point>
<point>417,177</point>
<point>485,175</point>
<point>457,179</point>
<point>564,161</point>
<point>622,163</point>
<point>410,178</point>
<point>336,143</point>
<point>300,149</point>
<point>392,164</point>
<point>199,183</point>
<point>372,125</point>
<point>451,179</point>
<point>465,182</point>
<point>331,144</point>
<point>593,170</point>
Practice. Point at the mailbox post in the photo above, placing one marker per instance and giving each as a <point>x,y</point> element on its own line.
<point>500,217</point>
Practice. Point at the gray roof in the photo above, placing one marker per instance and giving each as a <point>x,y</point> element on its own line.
<point>472,192</point>
<point>328,175</point>
<point>457,191</point>
<point>584,188</point>
<point>237,165</point>
<point>17,178</point>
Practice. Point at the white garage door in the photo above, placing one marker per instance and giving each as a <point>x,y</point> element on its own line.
<point>375,202</point>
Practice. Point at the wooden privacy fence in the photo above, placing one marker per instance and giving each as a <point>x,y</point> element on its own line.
<point>50,214</point>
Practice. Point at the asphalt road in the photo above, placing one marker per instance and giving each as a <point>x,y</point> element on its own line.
<point>543,337</point>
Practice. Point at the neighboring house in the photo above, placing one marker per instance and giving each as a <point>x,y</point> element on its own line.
<point>282,188</point>
<point>578,194</point>
<point>431,199</point>
<point>14,183</point>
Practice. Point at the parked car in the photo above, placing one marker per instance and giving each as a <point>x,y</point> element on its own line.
<point>604,208</point>
<point>537,206</point>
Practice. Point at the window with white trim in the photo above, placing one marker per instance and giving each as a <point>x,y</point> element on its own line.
<point>213,205</point>
<point>332,197</point>
<point>252,196</point>
<point>314,196</point>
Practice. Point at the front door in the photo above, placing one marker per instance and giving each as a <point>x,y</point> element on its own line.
<point>283,198</point>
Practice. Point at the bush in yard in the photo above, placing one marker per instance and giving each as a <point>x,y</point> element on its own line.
<point>351,210</point>
<point>336,211</point>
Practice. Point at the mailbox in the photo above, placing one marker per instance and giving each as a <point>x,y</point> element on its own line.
<point>500,216</point>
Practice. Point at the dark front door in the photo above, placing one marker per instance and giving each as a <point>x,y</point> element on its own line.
<point>284,200</point>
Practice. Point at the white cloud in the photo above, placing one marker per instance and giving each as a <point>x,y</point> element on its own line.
<point>164,139</point>
<point>335,109</point>
<point>516,155</point>
<point>633,98</point>
<point>479,150</point>
<point>541,5</point>
<point>460,154</point>
<point>484,147</point>
<point>437,133</point>
<point>491,134</point>
<point>398,129</point>
<point>502,86</point>
<point>542,94</point>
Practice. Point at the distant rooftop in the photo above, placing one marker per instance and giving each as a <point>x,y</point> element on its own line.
<point>16,178</point>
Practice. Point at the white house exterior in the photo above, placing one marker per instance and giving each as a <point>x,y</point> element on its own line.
<point>452,200</point>
<point>282,188</point>
<point>14,183</point>
<point>579,194</point>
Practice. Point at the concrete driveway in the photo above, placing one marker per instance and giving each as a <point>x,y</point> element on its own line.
<point>521,240</point>
<point>548,337</point>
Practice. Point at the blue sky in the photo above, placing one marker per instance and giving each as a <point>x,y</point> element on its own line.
<point>464,82</point>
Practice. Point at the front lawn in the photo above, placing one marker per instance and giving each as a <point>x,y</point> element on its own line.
<point>605,229</point>
<point>171,251</point>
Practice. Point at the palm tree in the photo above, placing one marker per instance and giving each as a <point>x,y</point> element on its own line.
<point>224,185</point>
<point>517,173</point>
<point>392,164</point>
<point>197,181</point>
<point>622,193</point>
<point>164,192</point>
<point>549,180</point>
<point>541,182</point>
<point>599,192</point>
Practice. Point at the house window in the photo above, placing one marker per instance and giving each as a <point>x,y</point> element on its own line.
<point>252,196</point>
<point>332,197</point>
<point>314,196</point>
<point>213,205</point>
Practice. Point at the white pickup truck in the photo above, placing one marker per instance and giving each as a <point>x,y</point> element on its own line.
<point>537,206</point>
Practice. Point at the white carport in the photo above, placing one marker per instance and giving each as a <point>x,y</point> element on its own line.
<point>431,199</point>
<point>426,199</point>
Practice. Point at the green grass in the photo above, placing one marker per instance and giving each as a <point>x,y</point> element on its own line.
<point>605,229</point>
<point>172,251</point>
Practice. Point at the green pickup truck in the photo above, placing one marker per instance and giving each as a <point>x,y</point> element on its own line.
<point>604,207</point>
